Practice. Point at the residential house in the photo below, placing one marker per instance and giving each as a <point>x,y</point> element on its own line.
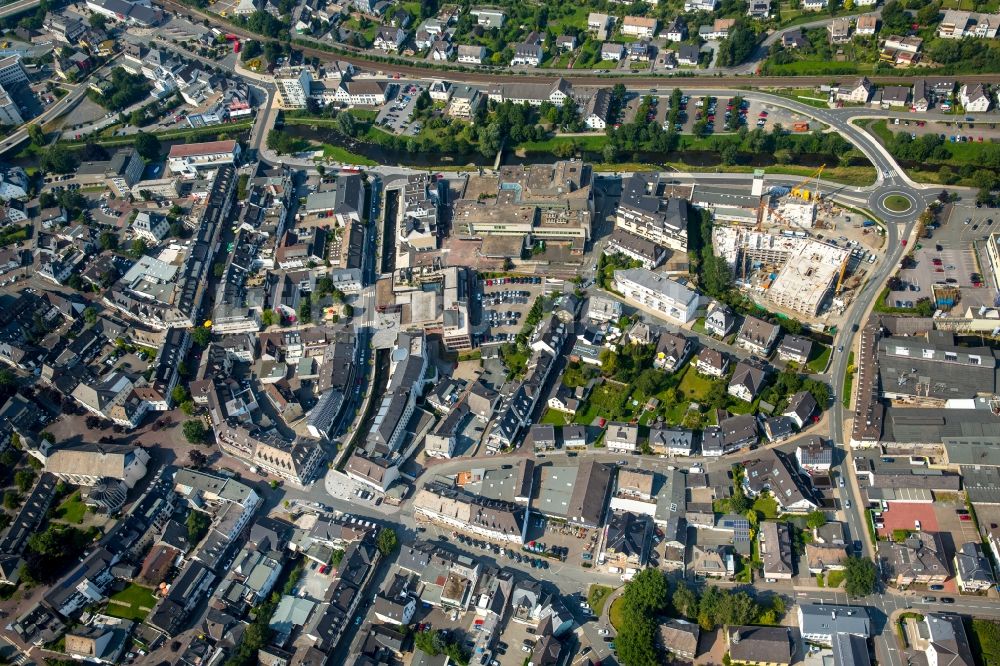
<point>389,38</point>
<point>974,99</point>
<point>757,336</point>
<point>760,646</point>
<point>778,428</point>
<point>775,544</point>
<point>747,381</point>
<point>672,351</point>
<point>671,441</point>
<point>759,9</point>
<point>719,320</point>
<point>917,560</point>
<point>801,407</point>
<point>628,540</point>
<point>972,568</point>
<point>639,26</point>
<point>622,438</point>
<point>612,51</point>
<point>795,348</point>
<point>947,641</point>
<point>894,96</point>
<point>471,54</point>
<point>566,42</point>
<point>676,30</point>
<point>595,111</point>
<point>527,53</point>
<point>599,24</point>
<point>815,456</point>
<point>859,91</point>
<point>819,623</point>
<point>772,471</point>
<point>543,437</point>
<point>866,26</point>
<point>793,39</point>
<point>688,55</point>
<point>738,432</point>
<point>839,30</point>
<point>921,96</point>
<point>712,362</point>
<point>679,637</point>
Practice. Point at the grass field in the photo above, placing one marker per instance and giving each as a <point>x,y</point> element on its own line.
<point>819,67</point>
<point>766,506</point>
<point>132,603</point>
<point>835,578</point>
<point>595,142</point>
<point>338,154</point>
<point>693,386</point>
<point>804,96</point>
<point>616,614</point>
<point>555,417</point>
<point>604,64</point>
<point>897,203</point>
<point>820,357</point>
<point>848,381</point>
<point>596,596</point>
<point>72,510</point>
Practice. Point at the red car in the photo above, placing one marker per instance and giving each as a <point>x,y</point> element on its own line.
<point>965,518</point>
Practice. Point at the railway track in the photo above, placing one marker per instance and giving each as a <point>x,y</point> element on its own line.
<point>359,60</point>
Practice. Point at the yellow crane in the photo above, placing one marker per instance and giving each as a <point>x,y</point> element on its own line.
<point>802,190</point>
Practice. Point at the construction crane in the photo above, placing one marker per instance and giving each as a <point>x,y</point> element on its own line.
<point>802,190</point>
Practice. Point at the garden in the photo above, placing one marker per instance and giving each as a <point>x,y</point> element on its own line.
<point>133,603</point>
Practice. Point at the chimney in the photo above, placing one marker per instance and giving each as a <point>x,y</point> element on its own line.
<point>736,637</point>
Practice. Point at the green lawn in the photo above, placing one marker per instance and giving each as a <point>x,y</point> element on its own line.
<point>767,506</point>
<point>835,578</point>
<point>819,358</point>
<point>616,614</point>
<point>804,96</point>
<point>610,65</point>
<point>897,203</point>
<point>596,597</point>
<point>985,639</point>
<point>339,154</point>
<point>848,381</point>
<point>577,19</point>
<point>590,143</point>
<point>555,417</point>
<point>72,510</point>
<point>819,67</point>
<point>693,386</point>
<point>132,603</point>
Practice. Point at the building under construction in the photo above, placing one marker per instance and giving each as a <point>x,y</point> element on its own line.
<point>792,270</point>
<point>808,276</point>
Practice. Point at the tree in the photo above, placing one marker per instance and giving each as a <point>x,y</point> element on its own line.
<point>90,314</point>
<point>268,318</point>
<point>201,336</point>
<point>815,519</point>
<point>860,577</point>
<point>148,146</point>
<point>98,21</point>
<point>58,159</point>
<point>23,479</point>
<point>194,431</point>
<point>387,541</point>
<point>138,248</point>
<point>685,600</point>
<point>108,240</point>
<point>196,458</point>
<point>428,642</point>
<point>179,394</point>
<point>36,134</point>
<point>198,523</point>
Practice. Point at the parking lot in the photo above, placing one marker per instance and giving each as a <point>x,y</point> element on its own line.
<point>504,304</point>
<point>905,516</point>
<point>395,115</point>
<point>963,132</point>
<point>949,256</point>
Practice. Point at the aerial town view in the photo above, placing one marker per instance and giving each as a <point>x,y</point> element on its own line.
<point>513,333</point>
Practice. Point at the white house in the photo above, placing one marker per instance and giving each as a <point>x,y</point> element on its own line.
<point>622,438</point>
<point>658,294</point>
<point>974,99</point>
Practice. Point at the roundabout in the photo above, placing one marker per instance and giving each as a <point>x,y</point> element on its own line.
<point>895,203</point>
